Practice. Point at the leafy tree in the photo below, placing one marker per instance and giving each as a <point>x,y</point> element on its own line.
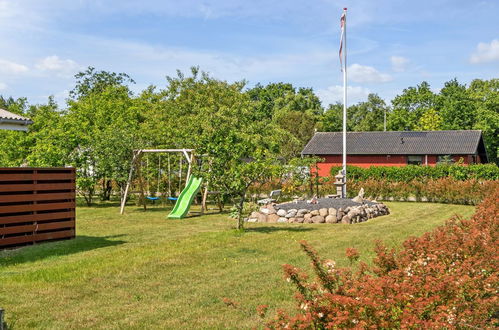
<point>102,126</point>
<point>215,118</point>
<point>332,119</point>
<point>429,121</point>
<point>294,113</point>
<point>485,96</point>
<point>12,143</point>
<point>264,98</point>
<point>91,81</point>
<point>368,115</point>
<point>456,107</point>
<point>410,106</point>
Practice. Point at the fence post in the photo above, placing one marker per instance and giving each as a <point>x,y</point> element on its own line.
<point>1,319</point>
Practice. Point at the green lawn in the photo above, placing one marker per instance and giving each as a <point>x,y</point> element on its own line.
<point>143,271</point>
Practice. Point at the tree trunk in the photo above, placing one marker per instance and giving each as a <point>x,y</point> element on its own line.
<point>240,220</point>
<point>88,197</point>
<point>240,206</point>
<point>107,188</point>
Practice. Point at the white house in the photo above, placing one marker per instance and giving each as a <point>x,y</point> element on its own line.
<point>12,122</point>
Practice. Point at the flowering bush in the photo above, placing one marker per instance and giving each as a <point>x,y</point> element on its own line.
<point>446,278</point>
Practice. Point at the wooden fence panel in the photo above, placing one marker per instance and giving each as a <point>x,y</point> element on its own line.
<point>36,205</point>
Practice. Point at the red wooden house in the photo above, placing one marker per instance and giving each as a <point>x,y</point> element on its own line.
<point>365,149</point>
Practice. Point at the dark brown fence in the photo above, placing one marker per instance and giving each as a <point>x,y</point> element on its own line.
<point>36,204</point>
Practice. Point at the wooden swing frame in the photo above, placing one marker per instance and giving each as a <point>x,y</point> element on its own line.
<point>136,164</point>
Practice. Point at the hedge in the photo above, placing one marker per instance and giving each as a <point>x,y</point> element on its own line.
<point>443,190</point>
<point>417,172</point>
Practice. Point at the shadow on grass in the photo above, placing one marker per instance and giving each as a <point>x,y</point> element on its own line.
<point>268,230</point>
<point>41,251</point>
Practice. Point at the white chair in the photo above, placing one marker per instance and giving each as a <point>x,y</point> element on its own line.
<point>273,197</point>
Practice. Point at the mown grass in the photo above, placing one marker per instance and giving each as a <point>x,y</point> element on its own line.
<point>143,271</point>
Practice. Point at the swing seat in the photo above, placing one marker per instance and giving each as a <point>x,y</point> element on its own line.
<point>172,198</point>
<point>152,198</point>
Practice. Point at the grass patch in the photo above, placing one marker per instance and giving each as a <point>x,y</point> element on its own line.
<point>141,270</point>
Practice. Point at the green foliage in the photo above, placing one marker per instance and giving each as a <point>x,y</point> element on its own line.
<point>103,122</point>
<point>416,172</point>
<point>429,121</point>
<point>410,106</point>
<point>363,116</point>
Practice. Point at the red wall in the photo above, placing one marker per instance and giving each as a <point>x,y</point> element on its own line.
<point>373,160</point>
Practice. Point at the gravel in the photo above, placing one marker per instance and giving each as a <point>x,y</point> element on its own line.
<point>322,203</point>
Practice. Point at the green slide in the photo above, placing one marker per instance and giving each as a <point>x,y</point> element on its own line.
<point>185,199</point>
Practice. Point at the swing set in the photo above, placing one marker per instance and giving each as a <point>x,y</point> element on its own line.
<point>185,195</point>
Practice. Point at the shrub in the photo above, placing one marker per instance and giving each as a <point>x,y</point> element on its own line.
<point>446,278</point>
<point>443,190</point>
<point>415,172</point>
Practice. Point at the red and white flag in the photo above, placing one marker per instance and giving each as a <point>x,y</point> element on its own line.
<point>342,25</point>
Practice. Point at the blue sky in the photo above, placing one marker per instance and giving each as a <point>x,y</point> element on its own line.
<point>391,44</point>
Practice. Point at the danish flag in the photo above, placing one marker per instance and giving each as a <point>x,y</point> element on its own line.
<point>342,25</point>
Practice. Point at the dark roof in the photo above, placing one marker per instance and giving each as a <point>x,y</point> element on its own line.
<point>397,143</point>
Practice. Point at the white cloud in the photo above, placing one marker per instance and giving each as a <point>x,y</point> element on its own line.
<point>12,67</point>
<point>366,74</point>
<point>55,64</point>
<point>334,94</point>
<point>486,52</point>
<point>399,63</point>
<point>3,86</point>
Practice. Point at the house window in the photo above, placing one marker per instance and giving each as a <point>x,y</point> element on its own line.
<point>445,159</point>
<point>414,160</point>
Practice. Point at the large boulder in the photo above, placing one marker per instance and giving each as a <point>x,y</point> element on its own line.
<point>323,212</point>
<point>346,219</point>
<point>272,218</point>
<point>260,217</point>
<point>331,219</point>
<point>282,219</point>
<point>314,212</point>
<point>281,212</point>
<point>269,209</point>
<point>318,219</point>
<point>332,211</point>
<point>302,212</point>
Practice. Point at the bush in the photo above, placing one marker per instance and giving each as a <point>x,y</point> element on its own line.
<point>444,190</point>
<point>415,172</point>
<point>446,278</point>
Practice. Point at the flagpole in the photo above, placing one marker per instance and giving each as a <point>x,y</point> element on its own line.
<point>344,192</point>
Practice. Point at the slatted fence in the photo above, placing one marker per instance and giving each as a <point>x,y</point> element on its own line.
<point>36,204</point>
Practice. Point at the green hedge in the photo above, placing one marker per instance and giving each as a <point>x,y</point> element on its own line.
<point>417,172</point>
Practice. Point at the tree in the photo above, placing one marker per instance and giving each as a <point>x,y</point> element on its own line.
<point>485,96</point>
<point>102,127</point>
<point>12,143</point>
<point>216,119</point>
<point>91,81</point>
<point>429,121</point>
<point>410,106</point>
<point>368,115</point>
<point>332,119</point>
<point>456,106</point>
<point>294,113</point>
